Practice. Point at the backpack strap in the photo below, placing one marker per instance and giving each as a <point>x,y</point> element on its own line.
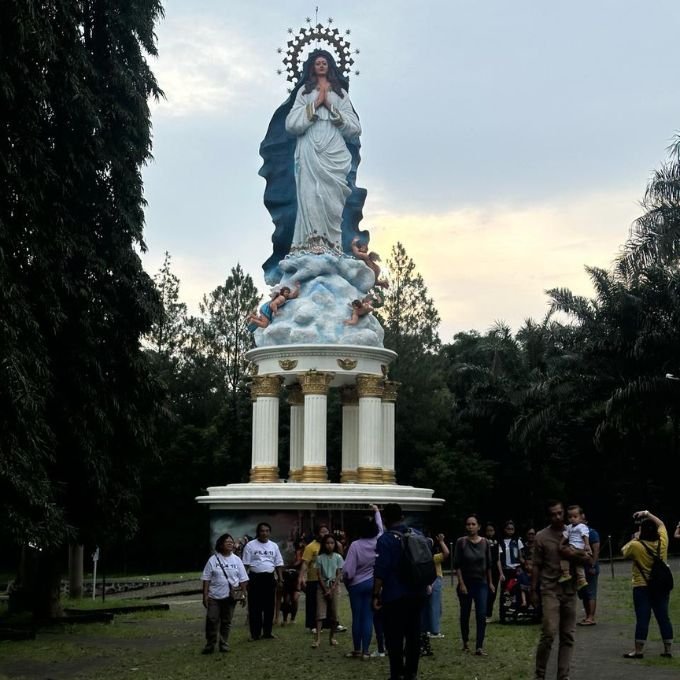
<point>650,552</point>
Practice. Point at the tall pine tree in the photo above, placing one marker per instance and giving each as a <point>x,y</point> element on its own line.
<point>76,392</point>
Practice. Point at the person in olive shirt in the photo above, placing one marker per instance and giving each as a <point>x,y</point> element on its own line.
<point>309,576</point>
<point>558,599</point>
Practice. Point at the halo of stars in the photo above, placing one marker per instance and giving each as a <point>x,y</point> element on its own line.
<point>328,37</point>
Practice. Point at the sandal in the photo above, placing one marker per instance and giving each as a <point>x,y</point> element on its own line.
<point>634,655</point>
<point>585,622</point>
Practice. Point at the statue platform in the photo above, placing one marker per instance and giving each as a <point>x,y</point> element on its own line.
<point>304,373</point>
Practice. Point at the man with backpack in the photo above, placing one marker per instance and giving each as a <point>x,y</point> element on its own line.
<point>404,567</point>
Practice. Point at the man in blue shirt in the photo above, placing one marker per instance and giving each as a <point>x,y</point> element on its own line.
<point>589,594</point>
<point>401,605</point>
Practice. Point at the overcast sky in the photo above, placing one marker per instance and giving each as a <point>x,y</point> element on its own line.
<point>505,144</point>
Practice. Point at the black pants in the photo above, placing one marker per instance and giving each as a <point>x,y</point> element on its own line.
<point>310,604</point>
<point>401,619</point>
<point>261,594</point>
<point>491,598</point>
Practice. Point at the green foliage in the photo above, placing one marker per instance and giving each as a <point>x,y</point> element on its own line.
<point>166,336</point>
<point>76,391</point>
<point>204,432</point>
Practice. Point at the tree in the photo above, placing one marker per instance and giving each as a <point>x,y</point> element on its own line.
<point>409,316</point>
<point>77,392</point>
<point>411,322</point>
<point>655,238</point>
<point>227,338</point>
<point>166,332</point>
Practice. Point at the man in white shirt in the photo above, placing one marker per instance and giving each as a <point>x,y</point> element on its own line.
<point>264,562</point>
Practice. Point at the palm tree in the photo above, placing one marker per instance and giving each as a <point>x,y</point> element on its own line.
<point>655,237</point>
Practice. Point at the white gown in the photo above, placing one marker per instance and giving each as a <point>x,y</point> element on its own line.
<point>322,163</point>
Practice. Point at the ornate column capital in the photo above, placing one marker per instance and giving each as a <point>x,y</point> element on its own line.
<point>390,393</point>
<point>295,396</point>
<point>265,386</point>
<point>370,386</point>
<point>348,394</point>
<point>315,382</point>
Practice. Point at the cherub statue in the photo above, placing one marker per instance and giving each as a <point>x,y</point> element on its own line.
<point>360,251</point>
<point>270,309</point>
<point>359,308</point>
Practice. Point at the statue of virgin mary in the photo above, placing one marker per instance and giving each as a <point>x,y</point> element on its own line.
<point>311,155</point>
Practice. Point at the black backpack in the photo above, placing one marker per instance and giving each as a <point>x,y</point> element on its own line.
<point>416,568</point>
<point>660,578</point>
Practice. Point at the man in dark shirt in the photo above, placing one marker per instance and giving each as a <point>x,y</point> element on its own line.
<point>558,599</point>
<point>401,606</point>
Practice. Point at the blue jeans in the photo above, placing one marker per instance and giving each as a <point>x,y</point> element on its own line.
<point>432,611</point>
<point>477,592</point>
<point>645,603</point>
<point>361,602</point>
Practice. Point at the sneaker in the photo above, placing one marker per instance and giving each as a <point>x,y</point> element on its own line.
<point>340,629</point>
<point>438,636</point>
<point>313,631</point>
<point>208,649</point>
<point>224,649</point>
<point>581,584</point>
<point>564,578</point>
<point>375,654</point>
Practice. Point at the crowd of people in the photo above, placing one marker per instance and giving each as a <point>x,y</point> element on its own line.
<point>393,575</point>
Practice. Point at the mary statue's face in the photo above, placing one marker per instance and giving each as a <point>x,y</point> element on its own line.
<point>320,66</point>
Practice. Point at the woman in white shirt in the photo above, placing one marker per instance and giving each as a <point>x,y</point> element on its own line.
<point>223,574</point>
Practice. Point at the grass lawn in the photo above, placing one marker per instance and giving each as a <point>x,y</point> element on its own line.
<point>166,646</point>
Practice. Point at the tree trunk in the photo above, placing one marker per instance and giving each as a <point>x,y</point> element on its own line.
<point>75,571</point>
<point>46,590</point>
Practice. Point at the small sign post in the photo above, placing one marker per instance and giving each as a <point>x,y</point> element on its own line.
<point>95,559</point>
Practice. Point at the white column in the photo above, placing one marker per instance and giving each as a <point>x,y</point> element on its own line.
<point>265,448</point>
<point>388,407</point>
<point>297,432</point>
<point>315,389</point>
<point>350,434</point>
<point>370,390</point>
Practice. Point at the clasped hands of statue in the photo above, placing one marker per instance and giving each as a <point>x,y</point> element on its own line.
<point>321,100</point>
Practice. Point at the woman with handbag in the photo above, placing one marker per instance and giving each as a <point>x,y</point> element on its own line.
<point>652,582</point>
<point>224,580</point>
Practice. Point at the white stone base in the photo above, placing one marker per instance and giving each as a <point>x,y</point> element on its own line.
<point>301,496</point>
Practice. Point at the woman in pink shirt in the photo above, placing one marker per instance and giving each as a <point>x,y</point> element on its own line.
<point>358,577</point>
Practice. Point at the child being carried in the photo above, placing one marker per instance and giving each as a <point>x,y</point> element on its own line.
<point>577,538</point>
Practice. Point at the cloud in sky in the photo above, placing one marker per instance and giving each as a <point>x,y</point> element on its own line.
<point>498,261</point>
<point>205,67</point>
<point>482,263</point>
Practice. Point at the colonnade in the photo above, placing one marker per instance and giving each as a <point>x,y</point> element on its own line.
<point>367,428</point>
